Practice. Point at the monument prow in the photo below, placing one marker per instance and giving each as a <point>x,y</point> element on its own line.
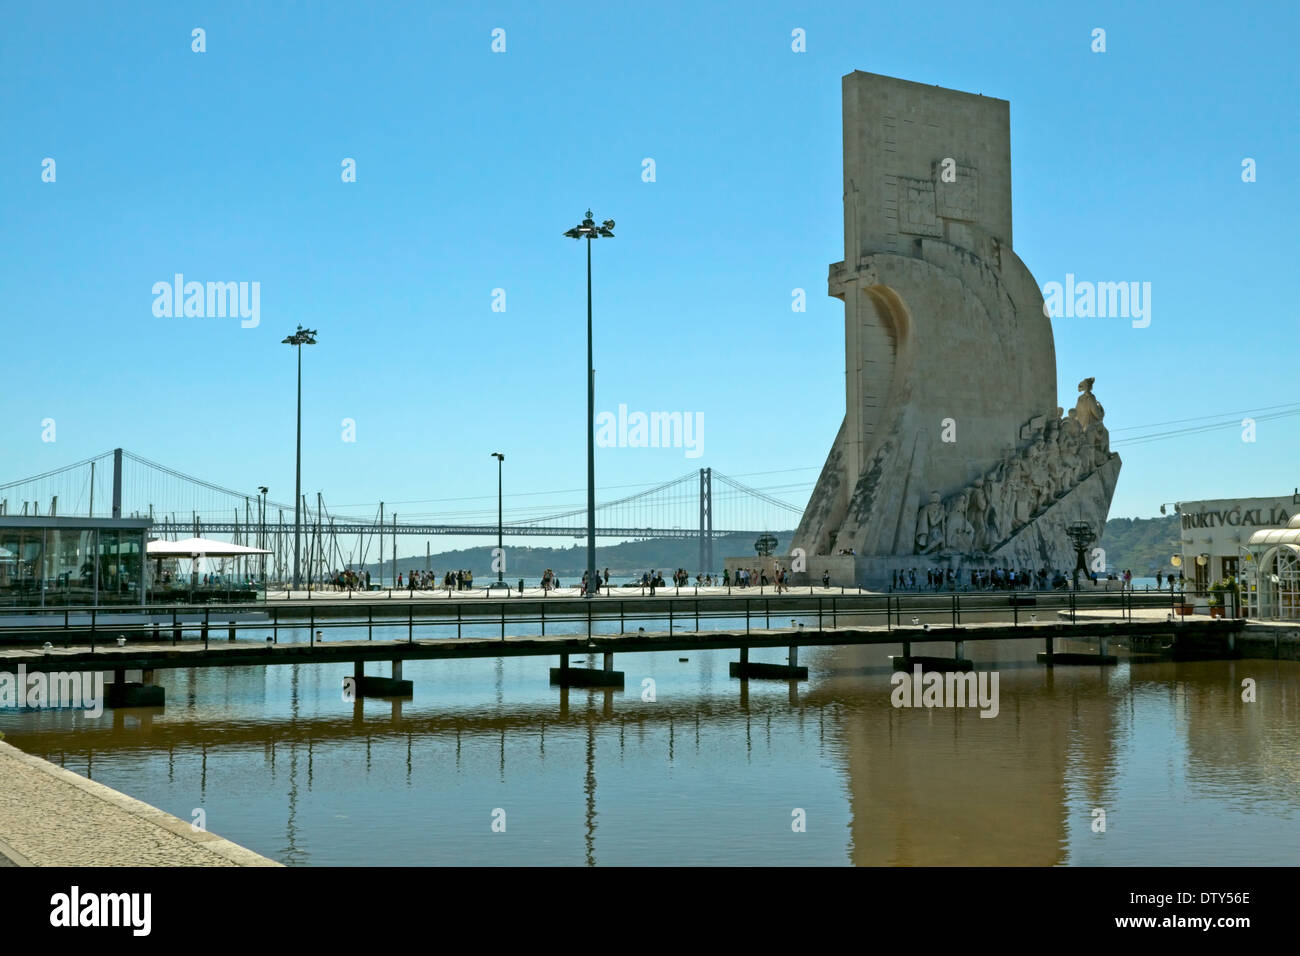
<point>952,451</point>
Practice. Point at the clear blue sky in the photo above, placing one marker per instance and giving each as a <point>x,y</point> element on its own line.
<point>225,165</point>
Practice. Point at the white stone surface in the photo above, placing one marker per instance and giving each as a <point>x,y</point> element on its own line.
<point>950,362</point>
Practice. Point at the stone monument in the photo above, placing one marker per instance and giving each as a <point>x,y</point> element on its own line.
<point>953,451</point>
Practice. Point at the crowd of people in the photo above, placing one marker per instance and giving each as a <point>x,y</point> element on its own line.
<point>985,579</point>
<point>350,580</point>
<point>1012,579</point>
<point>681,578</point>
<point>906,579</point>
<point>757,577</point>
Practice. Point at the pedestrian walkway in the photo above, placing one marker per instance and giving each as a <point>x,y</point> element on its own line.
<point>50,816</point>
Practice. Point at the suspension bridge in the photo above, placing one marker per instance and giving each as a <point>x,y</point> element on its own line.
<point>703,504</point>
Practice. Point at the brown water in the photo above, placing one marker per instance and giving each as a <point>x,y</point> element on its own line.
<point>713,770</point>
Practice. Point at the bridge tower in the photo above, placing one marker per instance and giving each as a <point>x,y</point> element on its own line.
<point>706,520</point>
<point>117,482</point>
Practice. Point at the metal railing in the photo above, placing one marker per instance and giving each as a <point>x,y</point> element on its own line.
<point>690,613</point>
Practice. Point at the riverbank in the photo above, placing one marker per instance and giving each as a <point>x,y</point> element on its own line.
<point>50,816</point>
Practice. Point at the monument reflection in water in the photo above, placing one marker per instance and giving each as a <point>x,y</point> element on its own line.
<point>712,770</point>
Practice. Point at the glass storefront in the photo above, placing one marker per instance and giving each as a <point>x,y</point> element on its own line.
<point>60,562</point>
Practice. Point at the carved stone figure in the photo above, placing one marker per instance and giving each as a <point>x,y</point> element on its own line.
<point>929,525</point>
<point>959,535</point>
<point>1088,409</point>
<point>1023,496</point>
<point>1038,482</point>
<point>977,513</point>
<point>1070,426</point>
<point>1071,465</point>
<point>1057,469</point>
<point>1100,441</point>
<point>1010,485</point>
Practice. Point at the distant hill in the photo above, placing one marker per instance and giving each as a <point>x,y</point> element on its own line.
<point>1139,544</point>
<point>623,560</point>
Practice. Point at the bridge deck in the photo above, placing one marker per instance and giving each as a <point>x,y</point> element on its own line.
<point>155,656</point>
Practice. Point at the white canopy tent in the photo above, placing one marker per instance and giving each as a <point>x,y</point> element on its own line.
<point>196,549</point>
<point>200,548</point>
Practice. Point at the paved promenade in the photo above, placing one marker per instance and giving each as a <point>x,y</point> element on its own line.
<point>481,591</point>
<point>50,816</point>
<point>329,593</point>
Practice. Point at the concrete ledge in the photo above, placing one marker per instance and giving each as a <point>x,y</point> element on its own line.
<point>585,677</point>
<point>134,694</point>
<point>908,661</point>
<point>767,671</point>
<point>384,687</point>
<point>11,857</point>
<point>50,816</point>
<point>1064,659</point>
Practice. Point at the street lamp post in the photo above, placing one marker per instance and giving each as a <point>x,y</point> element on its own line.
<point>299,339</point>
<point>263,491</point>
<point>501,553</point>
<point>587,229</point>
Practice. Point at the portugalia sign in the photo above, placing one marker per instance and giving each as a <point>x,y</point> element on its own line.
<point>1237,517</point>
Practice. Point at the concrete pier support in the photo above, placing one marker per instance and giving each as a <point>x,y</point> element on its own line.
<point>789,671</point>
<point>1052,658</point>
<point>907,660</point>
<point>142,693</point>
<point>566,676</point>
<point>367,686</point>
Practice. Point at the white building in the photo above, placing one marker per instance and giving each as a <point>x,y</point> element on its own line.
<point>1253,540</point>
<point>1271,586</point>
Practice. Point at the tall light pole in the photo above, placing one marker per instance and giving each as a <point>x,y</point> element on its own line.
<point>587,229</point>
<point>263,491</point>
<point>299,339</point>
<point>501,552</point>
